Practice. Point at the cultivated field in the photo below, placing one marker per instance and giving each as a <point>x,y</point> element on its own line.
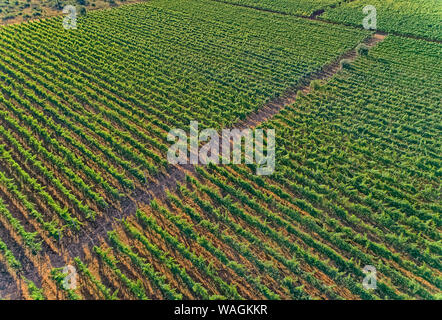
<point>420,18</point>
<point>85,179</point>
<point>294,7</point>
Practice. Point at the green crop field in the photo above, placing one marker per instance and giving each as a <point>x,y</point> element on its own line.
<point>419,18</point>
<point>88,191</point>
<point>422,18</point>
<point>15,11</point>
<point>295,7</point>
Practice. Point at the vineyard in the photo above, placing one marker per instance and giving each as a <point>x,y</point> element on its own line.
<point>421,18</point>
<point>84,177</point>
<point>416,18</point>
<point>293,7</point>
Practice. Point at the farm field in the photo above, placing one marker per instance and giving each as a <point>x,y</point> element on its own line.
<point>85,180</point>
<point>73,87</point>
<point>358,198</point>
<point>294,7</point>
<point>418,18</point>
<point>421,18</point>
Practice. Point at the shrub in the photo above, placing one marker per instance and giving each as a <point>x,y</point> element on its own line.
<point>362,49</point>
<point>345,64</point>
<point>315,84</point>
<point>82,11</point>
